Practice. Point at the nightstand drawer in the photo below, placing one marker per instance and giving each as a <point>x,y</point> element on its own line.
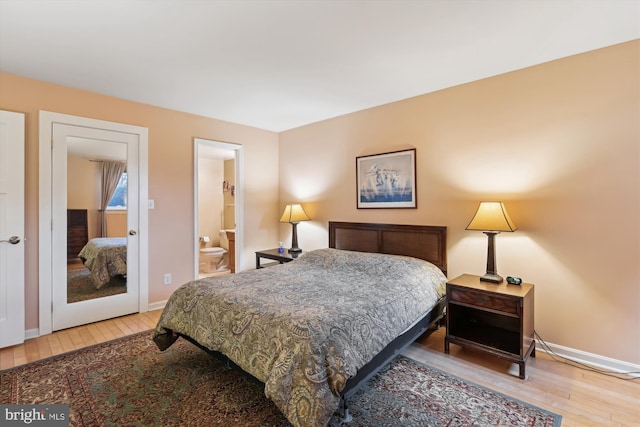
<point>479,299</point>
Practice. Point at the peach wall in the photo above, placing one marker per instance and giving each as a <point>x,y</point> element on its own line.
<point>82,195</point>
<point>116,223</point>
<point>171,172</point>
<point>83,192</point>
<point>558,142</point>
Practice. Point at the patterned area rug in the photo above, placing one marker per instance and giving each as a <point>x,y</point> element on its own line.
<point>80,287</point>
<point>129,382</point>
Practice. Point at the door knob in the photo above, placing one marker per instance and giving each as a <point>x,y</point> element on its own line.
<point>14,240</point>
<point>132,232</point>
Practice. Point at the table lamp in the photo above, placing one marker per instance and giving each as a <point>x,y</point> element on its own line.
<point>491,218</point>
<point>293,214</point>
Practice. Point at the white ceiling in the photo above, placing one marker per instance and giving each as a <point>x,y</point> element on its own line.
<point>277,65</point>
<point>94,149</point>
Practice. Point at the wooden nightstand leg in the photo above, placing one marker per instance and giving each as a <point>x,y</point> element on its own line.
<point>522,367</point>
<point>446,345</point>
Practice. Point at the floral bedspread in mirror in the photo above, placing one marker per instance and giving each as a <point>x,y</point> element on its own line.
<point>106,257</point>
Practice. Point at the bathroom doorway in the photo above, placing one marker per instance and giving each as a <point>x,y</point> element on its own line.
<point>218,207</point>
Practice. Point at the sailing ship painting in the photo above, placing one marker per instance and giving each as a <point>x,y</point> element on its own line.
<point>387,180</point>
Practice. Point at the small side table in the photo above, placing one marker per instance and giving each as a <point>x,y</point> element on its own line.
<point>494,318</point>
<point>273,254</point>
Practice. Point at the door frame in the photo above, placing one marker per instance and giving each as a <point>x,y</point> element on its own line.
<point>239,198</point>
<point>45,221</point>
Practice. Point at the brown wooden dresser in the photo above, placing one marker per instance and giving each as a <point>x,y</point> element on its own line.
<point>77,232</point>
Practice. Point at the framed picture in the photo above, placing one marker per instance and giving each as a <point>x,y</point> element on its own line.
<point>387,180</point>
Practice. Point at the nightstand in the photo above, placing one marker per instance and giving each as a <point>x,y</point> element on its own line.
<point>494,318</point>
<point>276,256</point>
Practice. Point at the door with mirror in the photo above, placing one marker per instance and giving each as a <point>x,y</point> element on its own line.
<point>95,242</point>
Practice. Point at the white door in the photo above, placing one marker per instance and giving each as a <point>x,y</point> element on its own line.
<point>65,312</point>
<point>12,322</point>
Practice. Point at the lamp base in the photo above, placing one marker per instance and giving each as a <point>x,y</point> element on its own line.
<point>294,249</point>
<point>493,278</point>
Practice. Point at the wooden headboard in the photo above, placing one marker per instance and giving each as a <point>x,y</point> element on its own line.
<point>419,241</point>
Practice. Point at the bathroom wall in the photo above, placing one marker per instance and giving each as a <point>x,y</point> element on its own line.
<point>210,198</point>
<point>229,198</point>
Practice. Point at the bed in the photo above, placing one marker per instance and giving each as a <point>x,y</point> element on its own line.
<point>105,257</point>
<point>315,329</point>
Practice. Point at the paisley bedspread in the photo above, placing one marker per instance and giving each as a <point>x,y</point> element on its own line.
<point>305,327</point>
<point>106,257</point>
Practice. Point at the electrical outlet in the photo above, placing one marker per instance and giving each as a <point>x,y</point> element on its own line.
<point>167,278</point>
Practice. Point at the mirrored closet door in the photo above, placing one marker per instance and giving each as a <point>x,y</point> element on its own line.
<point>95,243</point>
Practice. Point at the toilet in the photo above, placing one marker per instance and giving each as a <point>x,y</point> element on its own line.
<point>212,259</point>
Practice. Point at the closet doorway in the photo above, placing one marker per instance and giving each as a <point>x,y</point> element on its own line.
<point>218,202</point>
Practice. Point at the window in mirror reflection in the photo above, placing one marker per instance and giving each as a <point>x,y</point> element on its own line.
<point>119,199</point>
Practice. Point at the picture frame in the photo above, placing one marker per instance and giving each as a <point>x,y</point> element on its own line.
<point>387,180</point>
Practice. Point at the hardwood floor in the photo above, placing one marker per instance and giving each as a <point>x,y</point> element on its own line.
<point>75,338</point>
<point>582,398</point>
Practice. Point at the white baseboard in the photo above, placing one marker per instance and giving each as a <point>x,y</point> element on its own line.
<point>157,305</point>
<point>31,333</point>
<point>595,360</point>
<point>35,333</point>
